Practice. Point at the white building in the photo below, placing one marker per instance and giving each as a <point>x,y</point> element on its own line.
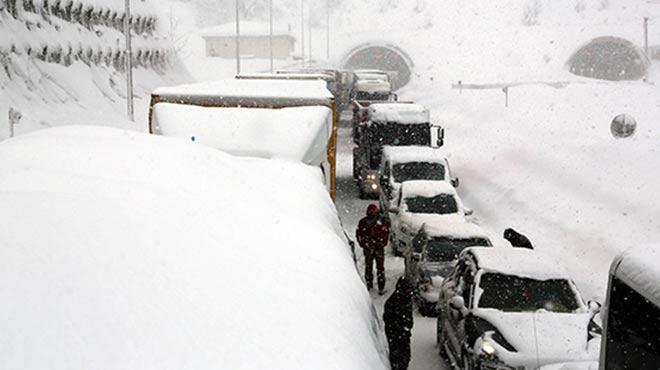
<point>255,41</point>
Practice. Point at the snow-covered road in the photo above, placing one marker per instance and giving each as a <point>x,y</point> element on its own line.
<point>351,209</point>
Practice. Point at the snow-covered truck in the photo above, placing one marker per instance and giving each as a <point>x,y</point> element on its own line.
<point>164,254</point>
<point>389,124</point>
<point>291,119</point>
<point>632,312</point>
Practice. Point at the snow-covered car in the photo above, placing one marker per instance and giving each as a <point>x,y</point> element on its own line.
<point>406,163</point>
<point>436,250</point>
<point>423,202</point>
<point>513,308</point>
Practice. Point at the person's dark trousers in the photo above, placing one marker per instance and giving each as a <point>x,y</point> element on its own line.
<point>379,257</point>
<point>399,353</point>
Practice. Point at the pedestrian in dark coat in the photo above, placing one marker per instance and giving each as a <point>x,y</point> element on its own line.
<point>373,233</point>
<point>517,239</point>
<point>398,318</point>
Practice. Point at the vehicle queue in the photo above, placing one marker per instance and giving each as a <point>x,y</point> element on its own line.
<point>496,307</point>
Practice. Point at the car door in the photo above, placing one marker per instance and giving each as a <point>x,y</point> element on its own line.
<point>456,320</point>
<point>385,185</point>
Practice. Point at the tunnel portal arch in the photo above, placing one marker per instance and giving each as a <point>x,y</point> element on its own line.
<point>609,58</point>
<point>383,56</point>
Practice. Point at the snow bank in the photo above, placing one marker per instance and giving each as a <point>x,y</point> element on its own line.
<point>127,251</point>
<point>404,113</point>
<point>298,134</point>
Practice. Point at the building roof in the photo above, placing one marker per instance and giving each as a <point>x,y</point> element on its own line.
<point>405,154</point>
<point>640,269</point>
<point>518,262</point>
<point>405,113</point>
<point>247,29</point>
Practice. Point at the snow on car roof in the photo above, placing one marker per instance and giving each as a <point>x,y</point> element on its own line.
<point>519,262</point>
<point>455,229</point>
<point>405,154</point>
<point>373,86</point>
<point>298,133</point>
<point>406,113</point>
<point>426,188</point>
<point>123,250</point>
<point>235,91</point>
<point>640,268</point>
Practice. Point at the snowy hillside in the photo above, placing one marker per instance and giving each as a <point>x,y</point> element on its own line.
<point>66,59</point>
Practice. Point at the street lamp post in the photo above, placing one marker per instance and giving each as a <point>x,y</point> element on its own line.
<point>327,31</point>
<point>302,30</point>
<point>238,40</point>
<point>129,61</point>
<point>270,40</point>
<point>646,36</point>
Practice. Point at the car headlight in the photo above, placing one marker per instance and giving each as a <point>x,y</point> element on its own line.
<point>488,349</point>
<point>371,176</point>
<point>374,186</point>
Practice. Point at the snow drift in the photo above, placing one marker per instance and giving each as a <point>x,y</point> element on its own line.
<point>120,250</point>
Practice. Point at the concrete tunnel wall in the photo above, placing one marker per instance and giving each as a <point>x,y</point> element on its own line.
<point>383,56</point>
<point>610,58</point>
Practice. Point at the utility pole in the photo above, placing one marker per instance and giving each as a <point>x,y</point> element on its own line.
<point>270,40</point>
<point>327,31</point>
<point>129,62</point>
<point>309,24</point>
<point>302,29</point>
<point>646,36</point>
<point>238,40</point>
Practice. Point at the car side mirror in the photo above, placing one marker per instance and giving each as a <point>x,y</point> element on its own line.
<point>469,212</point>
<point>594,307</point>
<point>455,182</point>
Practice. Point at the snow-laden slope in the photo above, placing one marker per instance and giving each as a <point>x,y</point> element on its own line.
<point>62,64</point>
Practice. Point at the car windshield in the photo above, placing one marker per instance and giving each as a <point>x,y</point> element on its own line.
<point>445,249</point>
<point>418,171</point>
<point>518,294</point>
<point>440,204</point>
<point>365,95</point>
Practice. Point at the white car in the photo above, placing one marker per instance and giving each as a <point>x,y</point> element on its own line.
<point>513,308</point>
<point>406,163</point>
<point>435,251</point>
<point>423,202</point>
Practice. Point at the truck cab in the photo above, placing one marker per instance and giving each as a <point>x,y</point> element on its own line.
<point>389,124</point>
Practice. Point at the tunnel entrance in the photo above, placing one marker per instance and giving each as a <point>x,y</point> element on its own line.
<point>610,58</point>
<point>383,57</point>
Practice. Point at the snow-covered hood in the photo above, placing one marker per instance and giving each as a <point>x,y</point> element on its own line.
<point>415,221</point>
<point>542,338</point>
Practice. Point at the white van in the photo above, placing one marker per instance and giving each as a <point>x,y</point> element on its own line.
<point>632,312</point>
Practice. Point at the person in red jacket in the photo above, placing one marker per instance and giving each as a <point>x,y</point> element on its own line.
<point>373,233</point>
